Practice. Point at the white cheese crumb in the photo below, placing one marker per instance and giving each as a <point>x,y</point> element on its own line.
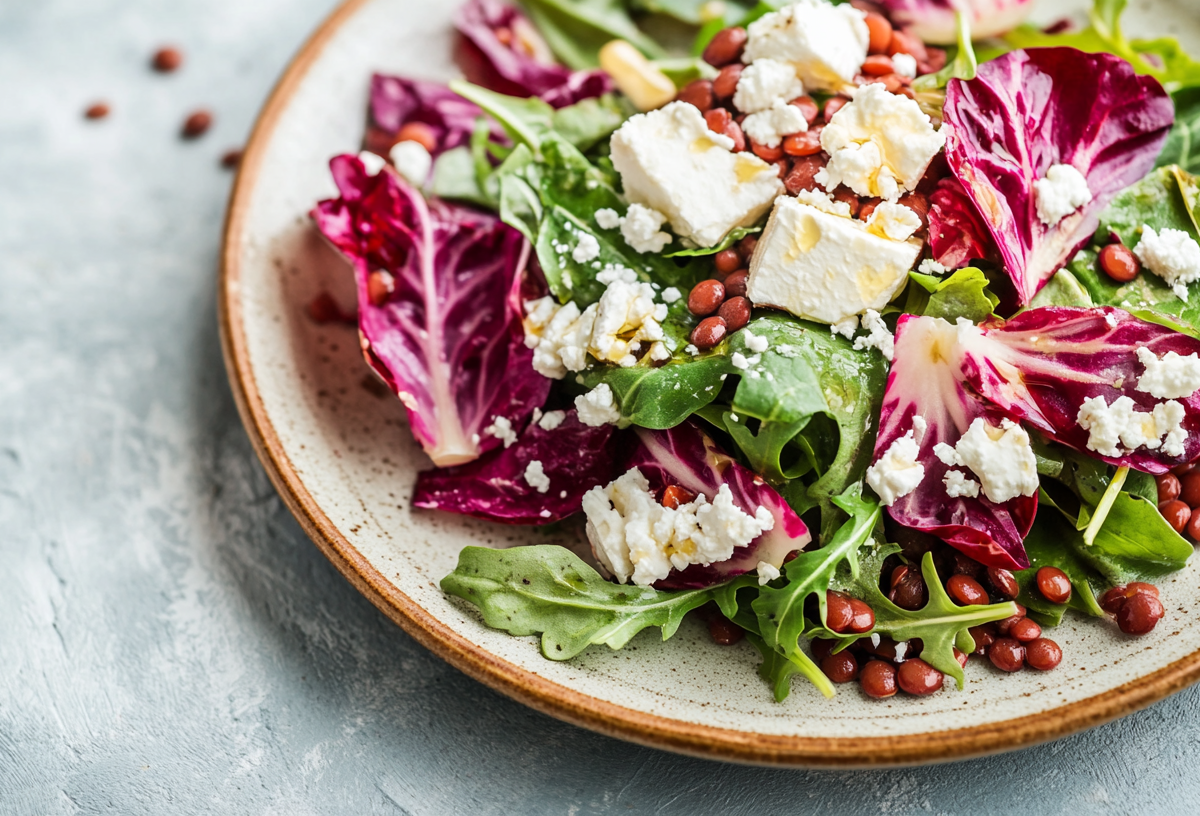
<point>825,44</point>
<point>558,335</point>
<point>766,573</point>
<point>597,407</point>
<point>412,161</point>
<point>616,272</point>
<point>879,145</point>
<point>901,651</point>
<point>1001,457</point>
<point>536,477</point>
<point>642,229</point>
<point>659,352</point>
<point>1170,377</point>
<point>897,473</point>
<point>931,267</point>
<point>607,218</point>
<point>1111,427</point>
<point>1063,191</point>
<point>502,429</point>
<point>625,317</point>
<point>768,127</point>
<point>879,337</point>
<point>959,485</point>
<point>875,640</point>
<point>755,342</point>
<point>893,221</point>
<point>739,360</point>
<point>764,83</point>
<point>670,295</point>
<point>372,162</point>
<point>551,420</point>
<point>691,349</point>
<point>904,65</point>
<point>637,538</point>
<point>846,328</point>
<point>588,248</point>
<point>1173,255</point>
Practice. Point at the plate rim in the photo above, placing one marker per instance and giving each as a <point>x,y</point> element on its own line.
<point>529,688</point>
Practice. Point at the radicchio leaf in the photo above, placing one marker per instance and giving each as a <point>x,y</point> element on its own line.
<point>688,457</point>
<point>927,381</point>
<point>1032,109</point>
<point>396,101</point>
<point>574,458</point>
<point>933,20</point>
<point>502,51</point>
<point>448,339</point>
<point>957,233</point>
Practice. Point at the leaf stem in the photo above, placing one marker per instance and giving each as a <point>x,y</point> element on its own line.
<point>1105,505</point>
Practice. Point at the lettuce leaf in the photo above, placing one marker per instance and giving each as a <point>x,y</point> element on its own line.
<point>576,29</point>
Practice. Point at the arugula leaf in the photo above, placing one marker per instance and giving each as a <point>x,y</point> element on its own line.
<point>575,30</point>
<point>940,624</point>
<point>963,294</point>
<point>1183,142</point>
<point>547,589</point>
<point>1046,545</point>
<point>780,611</point>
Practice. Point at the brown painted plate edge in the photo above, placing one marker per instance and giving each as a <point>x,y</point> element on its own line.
<point>553,698</point>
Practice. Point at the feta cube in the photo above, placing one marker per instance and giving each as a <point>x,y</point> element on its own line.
<point>502,429</point>
<point>1172,376</point>
<point>551,420</point>
<point>825,267</point>
<point>904,65</point>
<point>768,127</point>
<point>1063,191</point>
<point>1173,255</point>
<point>765,83</point>
<point>958,485</point>
<point>879,145</point>
<point>824,43</point>
<point>671,162</point>
<point>607,218</point>
<point>372,162</point>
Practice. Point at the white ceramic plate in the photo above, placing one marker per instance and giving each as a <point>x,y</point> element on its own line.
<point>342,457</point>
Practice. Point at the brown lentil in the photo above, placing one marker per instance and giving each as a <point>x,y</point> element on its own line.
<point>1189,488</point>
<point>698,93</point>
<point>196,125</point>
<point>833,105</point>
<point>803,175</point>
<point>807,106</point>
<point>767,154</point>
<point>723,631</point>
<point>746,247</point>
<point>1007,654</point>
<point>984,636</point>
<point>97,110</point>
<point>727,261</point>
<point>840,667</point>
<point>917,677</point>
<point>1182,470</point>
<point>822,648</point>
<point>880,29</point>
<point>910,593</point>
<point>1054,585</point>
<point>418,132</point>
<point>965,590</point>
<point>380,285</point>
<point>839,613</point>
<point>862,618</point>
<point>878,679</point>
<point>1139,614</point>
<point>1177,514</point>
<point>1003,583</point>
<point>919,204</point>
<point>807,143</point>
<point>1042,654</point>
<point>868,207</point>
<point>166,60</point>
<point>705,297</point>
<point>1168,487</point>
<point>735,311</point>
<point>878,65</point>
<point>1025,630</point>
<point>725,47</point>
<point>902,43</point>
<point>847,196</point>
<point>898,575</point>
<point>1119,263</point>
<point>1193,527</point>
<point>726,80</point>
<point>735,284</point>
<point>708,333</point>
<point>961,656</point>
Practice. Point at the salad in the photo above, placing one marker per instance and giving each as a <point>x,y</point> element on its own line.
<point>867,332</point>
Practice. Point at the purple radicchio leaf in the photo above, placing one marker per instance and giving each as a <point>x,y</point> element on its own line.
<point>1030,110</point>
<point>926,381</point>
<point>574,458</point>
<point>957,233</point>
<point>1041,365</point>
<point>502,51</point>
<point>688,457</point>
<point>447,338</point>
<point>396,102</point>
<point>933,20</point>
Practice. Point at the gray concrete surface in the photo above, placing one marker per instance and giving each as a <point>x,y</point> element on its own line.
<point>170,641</point>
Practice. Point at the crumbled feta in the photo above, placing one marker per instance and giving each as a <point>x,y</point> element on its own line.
<point>824,202</point>
<point>372,162</point>
<point>669,160</point>
<point>766,573</point>
<point>1170,377</point>
<point>558,335</point>
<point>1001,457</point>
<point>616,272</point>
<point>765,83</point>
<point>412,161</point>
<point>608,218</point>
<point>739,360</point>
<point>626,316</point>
<point>770,126</point>
<point>691,349</point>
<point>502,429</point>
<point>904,65</point>
<point>535,476</point>
<point>1111,427</point>
<point>1063,191</point>
<point>545,513</point>
<point>901,651</point>
<point>1173,255</point>
<point>755,342</point>
<point>897,473</point>
<point>659,351</point>
<point>825,44</point>
<point>642,229</point>
<point>824,267</point>
<point>637,538</point>
<point>597,407</point>
<point>670,295</point>
<point>893,221</point>
<point>931,267</point>
<point>551,420</point>
<point>878,337</point>
<point>880,144</point>
<point>846,328</point>
<point>588,248</point>
<point>959,485</point>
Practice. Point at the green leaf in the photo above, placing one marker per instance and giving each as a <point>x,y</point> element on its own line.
<point>575,30</point>
<point>1104,506</point>
<point>1062,290</point>
<point>1158,200</point>
<point>780,611</point>
<point>1183,142</point>
<point>1048,545</point>
<point>454,177</point>
<point>682,70</point>
<point>963,294</point>
<point>734,235</point>
<point>663,397</point>
<point>1146,296</point>
<point>589,121</point>
<point>964,65</point>
<point>940,624</point>
<point>1135,544</point>
<point>546,589</point>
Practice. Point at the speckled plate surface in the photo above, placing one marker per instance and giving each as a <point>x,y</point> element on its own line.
<point>340,453</point>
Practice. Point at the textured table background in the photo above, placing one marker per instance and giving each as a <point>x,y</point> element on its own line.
<point>171,642</point>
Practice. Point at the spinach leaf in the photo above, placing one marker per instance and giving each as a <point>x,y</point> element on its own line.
<point>780,611</point>
<point>1062,290</point>
<point>1183,142</point>
<point>1135,544</point>
<point>1047,545</point>
<point>1158,200</point>
<point>663,397</point>
<point>546,589</point>
<point>963,294</point>
<point>575,30</point>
